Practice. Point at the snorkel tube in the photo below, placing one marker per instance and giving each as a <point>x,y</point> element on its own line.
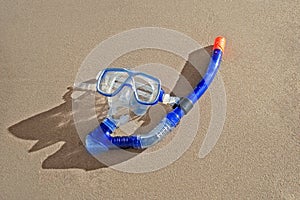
<point>101,140</point>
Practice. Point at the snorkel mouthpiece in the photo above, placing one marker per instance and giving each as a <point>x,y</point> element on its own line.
<point>100,139</point>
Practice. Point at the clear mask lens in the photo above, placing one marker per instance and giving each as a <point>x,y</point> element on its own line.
<point>146,88</point>
<point>111,81</point>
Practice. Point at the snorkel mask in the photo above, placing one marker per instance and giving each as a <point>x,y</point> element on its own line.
<point>131,91</point>
<point>124,88</point>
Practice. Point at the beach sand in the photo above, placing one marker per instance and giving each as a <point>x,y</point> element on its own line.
<point>43,45</point>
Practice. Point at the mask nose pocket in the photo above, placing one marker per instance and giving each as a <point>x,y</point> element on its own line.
<point>136,107</point>
<point>119,105</point>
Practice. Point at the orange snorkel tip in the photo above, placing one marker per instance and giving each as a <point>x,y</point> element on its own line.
<point>220,43</point>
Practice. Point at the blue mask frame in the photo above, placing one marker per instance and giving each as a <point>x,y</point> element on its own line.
<point>130,83</point>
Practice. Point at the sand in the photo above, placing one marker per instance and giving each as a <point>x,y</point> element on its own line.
<point>258,154</point>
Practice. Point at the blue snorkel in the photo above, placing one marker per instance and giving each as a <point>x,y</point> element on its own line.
<point>101,139</point>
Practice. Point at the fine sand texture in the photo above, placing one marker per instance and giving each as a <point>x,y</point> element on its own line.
<point>42,46</point>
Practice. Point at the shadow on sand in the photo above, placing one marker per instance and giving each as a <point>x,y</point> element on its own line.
<point>57,125</point>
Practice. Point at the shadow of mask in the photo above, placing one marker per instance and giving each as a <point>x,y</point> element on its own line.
<point>57,125</point>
